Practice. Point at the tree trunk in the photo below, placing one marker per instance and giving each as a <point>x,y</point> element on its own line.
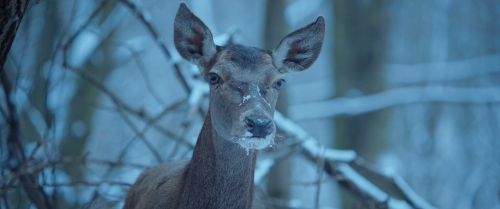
<point>275,29</point>
<point>11,13</point>
<point>359,29</point>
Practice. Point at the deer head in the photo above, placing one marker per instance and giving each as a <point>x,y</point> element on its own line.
<point>245,81</point>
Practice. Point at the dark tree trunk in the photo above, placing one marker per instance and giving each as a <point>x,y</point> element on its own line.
<point>275,29</point>
<point>359,51</point>
<point>11,14</point>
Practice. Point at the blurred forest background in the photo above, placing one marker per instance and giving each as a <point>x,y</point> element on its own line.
<point>93,92</point>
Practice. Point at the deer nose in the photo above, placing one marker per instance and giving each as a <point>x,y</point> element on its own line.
<point>259,128</point>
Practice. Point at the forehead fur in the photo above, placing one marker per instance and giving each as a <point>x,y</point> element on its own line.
<point>243,57</point>
<point>245,62</point>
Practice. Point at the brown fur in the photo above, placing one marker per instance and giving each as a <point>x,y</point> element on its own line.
<point>220,173</point>
<point>218,176</point>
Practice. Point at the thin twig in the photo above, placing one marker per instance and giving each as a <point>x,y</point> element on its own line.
<point>33,152</point>
<point>16,151</point>
<point>7,187</point>
<point>129,143</point>
<point>87,23</point>
<point>6,204</point>
<point>141,136</point>
<point>96,105</point>
<point>393,184</point>
<point>81,182</point>
<point>312,183</point>
<point>265,197</point>
<point>154,32</point>
<point>140,114</point>
<point>176,146</point>
<point>145,75</point>
<point>147,126</point>
<point>4,114</point>
<point>310,149</point>
<point>94,81</point>
<point>321,165</point>
<point>38,167</point>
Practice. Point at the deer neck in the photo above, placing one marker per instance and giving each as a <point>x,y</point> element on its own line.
<point>220,173</point>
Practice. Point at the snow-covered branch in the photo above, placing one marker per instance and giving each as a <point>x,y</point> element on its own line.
<point>393,183</point>
<point>263,167</point>
<point>367,187</point>
<point>393,97</point>
<point>442,71</point>
<point>338,165</point>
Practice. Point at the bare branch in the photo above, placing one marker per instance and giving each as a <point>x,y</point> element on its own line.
<point>310,146</point>
<point>141,136</point>
<point>12,13</point>
<point>154,32</point>
<point>140,114</point>
<point>38,167</point>
<point>16,151</point>
<point>199,90</point>
<point>86,183</point>
<point>321,165</point>
<point>87,23</point>
<point>127,145</point>
<point>145,75</point>
<point>312,183</point>
<point>336,165</point>
<point>394,184</point>
<point>263,167</point>
<point>267,200</point>
<point>33,152</point>
<point>368,187</point>
<point>4,114</point>
<point>148,125</point>
<point>105,90</point>
<point>177,143</point>
<point>96,105</point>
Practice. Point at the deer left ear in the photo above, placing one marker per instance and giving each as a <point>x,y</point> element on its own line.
<point>192,38</point>
<point>299,49</point>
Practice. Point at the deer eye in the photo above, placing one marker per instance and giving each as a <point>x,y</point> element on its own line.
<point>213,78</point>
<point>279,84</point>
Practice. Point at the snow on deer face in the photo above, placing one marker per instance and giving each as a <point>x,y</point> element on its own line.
<point>245,81</point>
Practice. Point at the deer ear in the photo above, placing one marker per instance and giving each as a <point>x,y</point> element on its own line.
<point>299,49</point>
<point>193,40</point>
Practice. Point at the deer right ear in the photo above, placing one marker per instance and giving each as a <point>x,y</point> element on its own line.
<point>299,49</point>
<point>192,38</point>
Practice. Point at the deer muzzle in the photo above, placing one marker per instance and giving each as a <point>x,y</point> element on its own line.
<point>259,132</point>
<point>258,128</point>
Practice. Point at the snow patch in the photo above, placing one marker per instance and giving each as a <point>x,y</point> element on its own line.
<point>245,98</point>
<point>256,87</point>
<point>247,133</point>
<point>198,90</point>
<point>263,167</point>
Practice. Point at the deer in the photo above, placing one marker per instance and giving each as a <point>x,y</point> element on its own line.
<point>244,86</point>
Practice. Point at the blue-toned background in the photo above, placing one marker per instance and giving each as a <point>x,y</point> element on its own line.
<point>413,87</point>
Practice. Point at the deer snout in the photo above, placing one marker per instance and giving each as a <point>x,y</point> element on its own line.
<point>259,128</point>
